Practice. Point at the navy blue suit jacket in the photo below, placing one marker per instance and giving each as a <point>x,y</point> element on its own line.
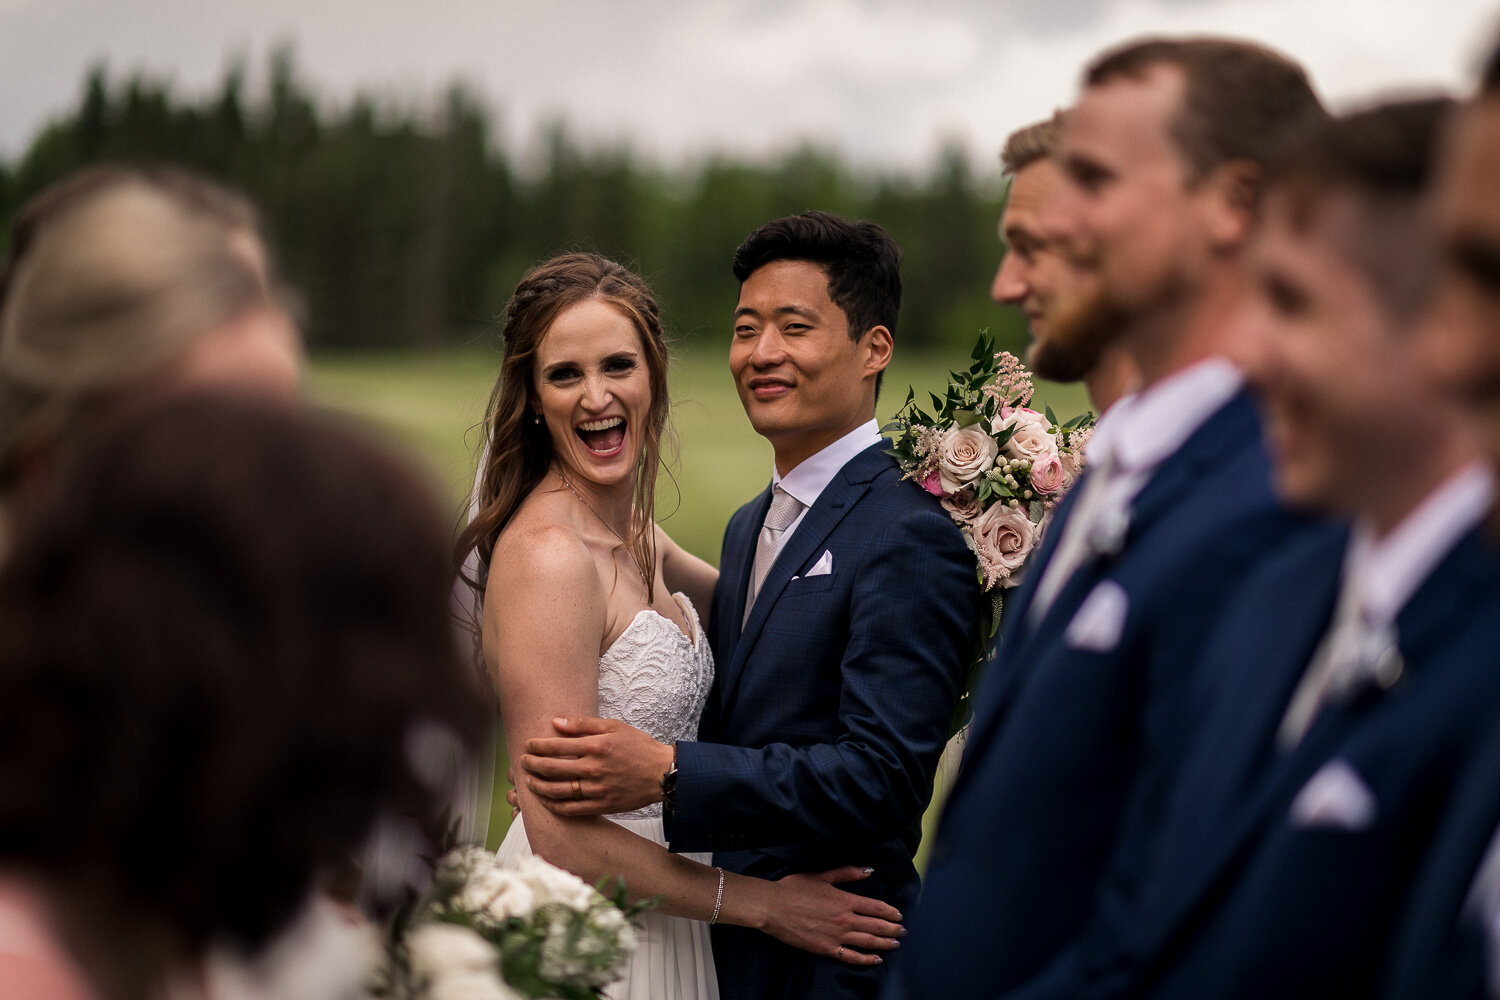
<point>1072,750</point>
<point>829,709</point>
<point>1254,901</point>
<point>1440,950</point>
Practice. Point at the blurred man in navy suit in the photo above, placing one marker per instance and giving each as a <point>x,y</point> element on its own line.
<point>845,613</point>
<point>1449,945</point>
<point>1352,686</point>
<point>1048,286</point>
<point>1084,711</point>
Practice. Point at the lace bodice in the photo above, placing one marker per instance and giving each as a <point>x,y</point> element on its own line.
<point>655,678</point>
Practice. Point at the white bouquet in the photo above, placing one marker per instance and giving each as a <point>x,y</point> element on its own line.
<point>483,932</point>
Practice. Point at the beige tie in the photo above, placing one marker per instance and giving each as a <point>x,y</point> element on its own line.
<point>785,509</point>
<point>1353,650</point>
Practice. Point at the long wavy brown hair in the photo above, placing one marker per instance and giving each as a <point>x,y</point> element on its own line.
<point>517,448</point>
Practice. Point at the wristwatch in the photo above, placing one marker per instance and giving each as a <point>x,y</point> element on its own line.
<point>669,784</point>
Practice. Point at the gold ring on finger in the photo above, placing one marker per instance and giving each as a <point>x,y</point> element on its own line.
<point>577,789</point>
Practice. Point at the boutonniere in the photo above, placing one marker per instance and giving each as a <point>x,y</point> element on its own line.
<point>1106,537</point>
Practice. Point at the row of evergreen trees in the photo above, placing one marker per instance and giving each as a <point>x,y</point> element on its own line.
<point>406,229</point>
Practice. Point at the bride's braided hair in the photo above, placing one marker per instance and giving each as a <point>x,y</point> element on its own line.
<point>517,449</point>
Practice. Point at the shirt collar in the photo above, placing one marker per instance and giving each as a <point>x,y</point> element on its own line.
<point>1389,571</point>
<point>811,476</point>
<point>1141,430</point>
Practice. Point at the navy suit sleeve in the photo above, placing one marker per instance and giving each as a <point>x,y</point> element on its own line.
<point>911,619</point>
<point>1180,664</point>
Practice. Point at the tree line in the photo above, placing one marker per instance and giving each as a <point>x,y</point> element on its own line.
<point>402,228</point>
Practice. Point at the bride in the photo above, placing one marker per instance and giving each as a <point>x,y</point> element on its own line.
<point>589,609</point>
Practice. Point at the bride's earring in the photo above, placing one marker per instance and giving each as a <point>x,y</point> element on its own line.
<point>536,418</point>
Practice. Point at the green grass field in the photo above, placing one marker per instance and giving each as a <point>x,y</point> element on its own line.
<point>429,406</point>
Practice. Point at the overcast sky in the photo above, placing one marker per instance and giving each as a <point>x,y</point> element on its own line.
<point>884,81</point>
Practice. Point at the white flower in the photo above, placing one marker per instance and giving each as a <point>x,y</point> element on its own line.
<point>964,455</point>
<point>1031,440</point>
<point>471,986</point>
<point>497,894</point>
<point>443,950</point>
<point>551,884</point>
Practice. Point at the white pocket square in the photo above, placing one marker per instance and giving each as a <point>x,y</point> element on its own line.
<point>1100,620</point>
<point>823,566</point>
<point>1336,798</point>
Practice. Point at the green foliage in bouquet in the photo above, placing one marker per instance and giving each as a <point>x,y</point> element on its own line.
<point>997,467</point>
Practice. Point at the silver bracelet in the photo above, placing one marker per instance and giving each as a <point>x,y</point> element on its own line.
<point>718,900</point>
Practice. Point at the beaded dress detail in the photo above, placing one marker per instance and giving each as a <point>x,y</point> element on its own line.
<point>657,679</point>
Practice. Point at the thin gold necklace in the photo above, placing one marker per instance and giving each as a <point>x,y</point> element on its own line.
<point>611,528</point>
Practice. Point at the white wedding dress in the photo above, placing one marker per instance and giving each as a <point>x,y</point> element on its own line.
<point>655,678</point>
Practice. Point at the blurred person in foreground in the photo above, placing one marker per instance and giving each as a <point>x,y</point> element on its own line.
<point>1351,687</point>
<point>590,609</point>
<point>122,282</point>
<point>1450,940</point>
<point>1057,294</point>
<point>1085,710</point>
<point>225,651</point>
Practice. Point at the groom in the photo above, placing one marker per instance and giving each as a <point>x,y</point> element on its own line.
<point>842,622</point>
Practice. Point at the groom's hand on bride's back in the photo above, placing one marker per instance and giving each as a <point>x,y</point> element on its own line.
<point>595,767</point>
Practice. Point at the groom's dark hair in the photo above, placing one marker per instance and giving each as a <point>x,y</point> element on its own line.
<point>861,260</point>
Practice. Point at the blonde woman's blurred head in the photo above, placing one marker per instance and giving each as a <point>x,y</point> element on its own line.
<point>122,281</point>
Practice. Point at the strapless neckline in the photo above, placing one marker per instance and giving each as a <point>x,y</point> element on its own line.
<point>648,614</point>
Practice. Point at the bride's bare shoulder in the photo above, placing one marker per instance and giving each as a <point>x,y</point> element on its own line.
<point>536,548</point>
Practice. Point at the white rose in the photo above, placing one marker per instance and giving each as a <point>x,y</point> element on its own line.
<point>964,455</point>
<point>1031,441</point>
<point>553,885</point>
<point>497,895</point>
<point>1003,537</point>
<point>456,867</point>
<point>442,950</point>
<point>471,986</point>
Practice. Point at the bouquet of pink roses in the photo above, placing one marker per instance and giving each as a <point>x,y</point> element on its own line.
<point>998,467</point>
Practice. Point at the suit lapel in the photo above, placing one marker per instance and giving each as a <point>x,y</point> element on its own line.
<point>842,492</point>
<point>740,561</point>
<point>1439,606</point>
<point>1220,438</point>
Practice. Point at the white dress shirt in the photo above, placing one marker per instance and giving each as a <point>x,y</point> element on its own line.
<point>1137,435</point>
<point>1389,570</point>
<point>810,477</point>
<point>1379,577</point>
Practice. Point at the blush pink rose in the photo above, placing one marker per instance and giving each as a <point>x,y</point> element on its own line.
<point>1072,466</point>
<point>1047,476</point>
<point>1003,537</point>
<point>963,456</point>
<point>962,506</point>
<point>1031,440</point>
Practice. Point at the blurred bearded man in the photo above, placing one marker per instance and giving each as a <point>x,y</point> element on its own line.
<point>1069,338</point>
<point>1087,705</point>
<point>1354,682</point>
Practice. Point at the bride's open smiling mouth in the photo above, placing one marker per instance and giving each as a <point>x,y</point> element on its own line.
<point>603,438</point>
